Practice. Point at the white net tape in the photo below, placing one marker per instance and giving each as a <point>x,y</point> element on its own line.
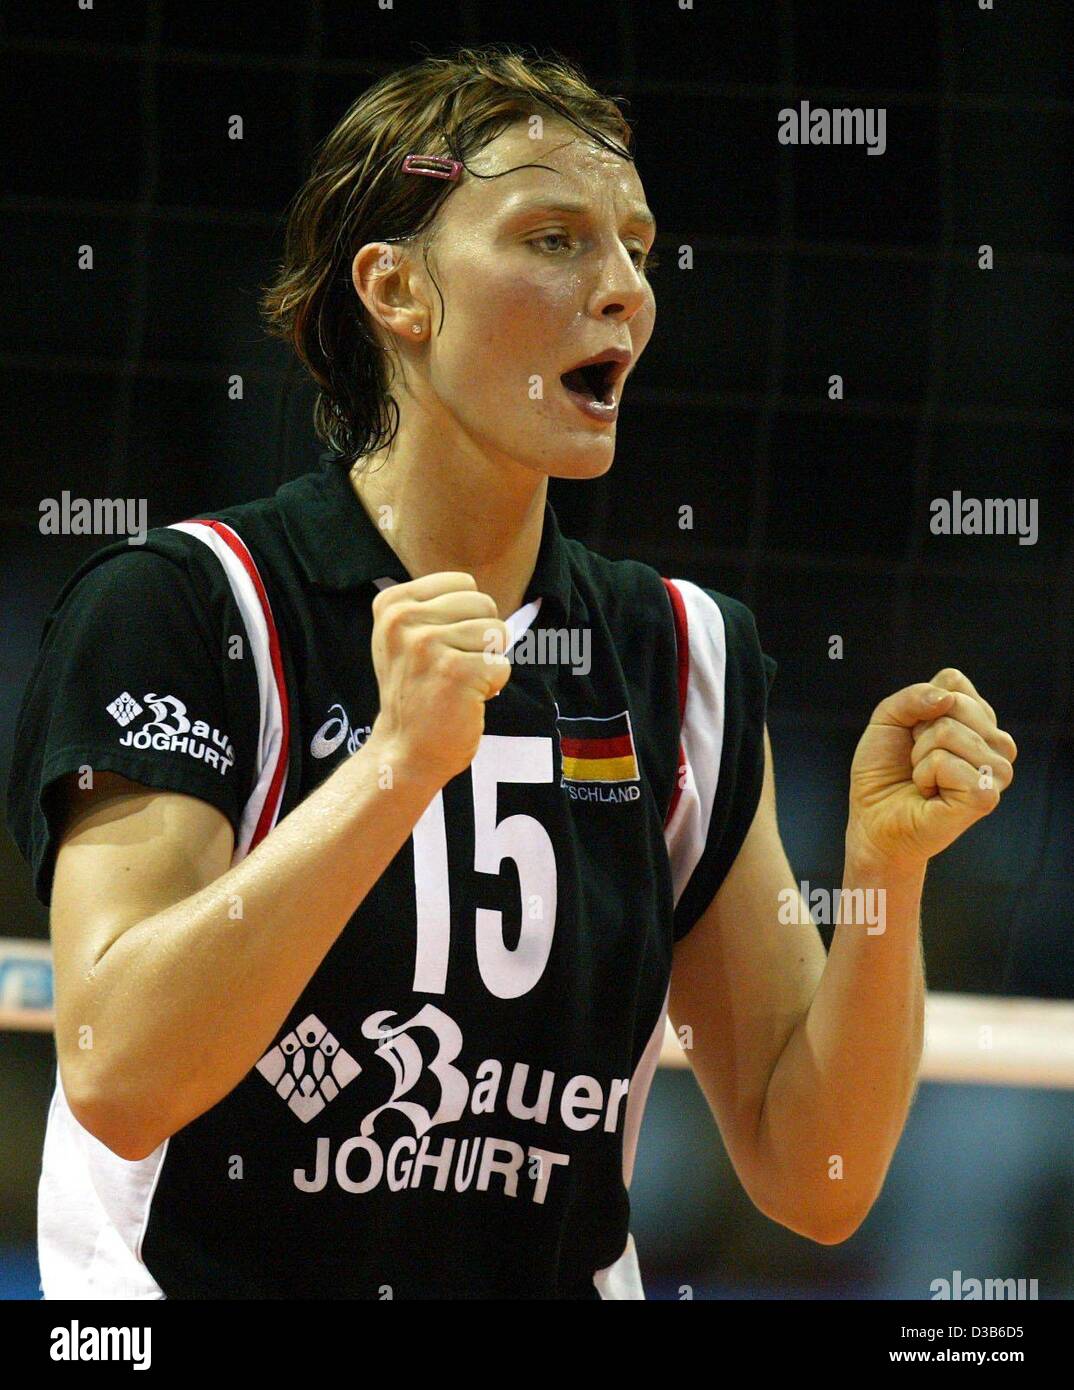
<point>981,1038</point>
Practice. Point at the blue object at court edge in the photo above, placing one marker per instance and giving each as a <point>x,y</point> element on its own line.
<point>20,1277</point>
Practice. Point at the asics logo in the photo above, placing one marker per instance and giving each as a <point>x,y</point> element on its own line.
<point>335,731</point>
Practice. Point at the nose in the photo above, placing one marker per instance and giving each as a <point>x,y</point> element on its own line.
<point>621,290</point>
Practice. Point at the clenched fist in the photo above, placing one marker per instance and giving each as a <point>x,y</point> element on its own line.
<point>438,654</point>
<point>932,761</point>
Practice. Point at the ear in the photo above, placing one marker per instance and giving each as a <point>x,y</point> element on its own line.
<point>384,280</point>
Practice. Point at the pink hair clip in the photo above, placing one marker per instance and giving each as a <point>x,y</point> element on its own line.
<point>433,166</point>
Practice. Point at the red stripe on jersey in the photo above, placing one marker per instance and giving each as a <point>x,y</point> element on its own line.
<point>236,545</point>
<point>682,643</point>
<point>621,746</point>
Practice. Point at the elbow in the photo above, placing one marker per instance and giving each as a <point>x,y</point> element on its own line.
<point>834,1232</point>
<point>827,1224</point>
<point>837,1221</point>
<point>823,1228</point>
<point>114,1128</point>
<point>110,1121</point>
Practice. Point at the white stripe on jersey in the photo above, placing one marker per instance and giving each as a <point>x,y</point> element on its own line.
<point>702,733</point>
<point>270,727</point>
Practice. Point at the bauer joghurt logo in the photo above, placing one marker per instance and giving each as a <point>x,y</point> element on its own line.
<point>94,516</point>
<point>843,125</point>
<point>170,730</point>
<point>421,1059</point>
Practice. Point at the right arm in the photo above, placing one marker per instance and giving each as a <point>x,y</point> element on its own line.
<point>184,969</point>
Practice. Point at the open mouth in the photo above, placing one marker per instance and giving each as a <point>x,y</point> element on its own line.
<point>593,385</point>
<point>595,382</point>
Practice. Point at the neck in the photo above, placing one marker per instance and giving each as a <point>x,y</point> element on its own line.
<point>457,509</point>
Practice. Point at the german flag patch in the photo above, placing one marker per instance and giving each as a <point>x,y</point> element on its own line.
<point>597,750</point>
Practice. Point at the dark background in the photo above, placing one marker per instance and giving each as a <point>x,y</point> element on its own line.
<point>807,261</point>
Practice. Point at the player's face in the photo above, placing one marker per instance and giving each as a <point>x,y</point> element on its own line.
<point>540,270</point>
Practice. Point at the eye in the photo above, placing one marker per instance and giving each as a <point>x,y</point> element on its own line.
<point>645,261</point>
<point>550,236</point>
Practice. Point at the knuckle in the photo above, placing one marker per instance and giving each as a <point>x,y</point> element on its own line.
<point>441,659</point>
<point>426,652</point>
<point>391,615</point>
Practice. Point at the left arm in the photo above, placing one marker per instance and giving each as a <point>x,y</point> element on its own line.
<point>809,1062</point>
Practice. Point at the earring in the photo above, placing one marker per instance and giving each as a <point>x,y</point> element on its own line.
<point>415,328</point>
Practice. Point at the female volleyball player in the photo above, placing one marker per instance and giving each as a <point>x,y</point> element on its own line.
<point>381,822</point>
